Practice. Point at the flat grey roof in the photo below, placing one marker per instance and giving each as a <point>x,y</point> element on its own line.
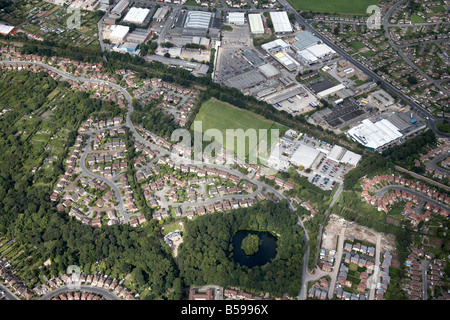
<point>245,80</point>
<point>253,57</point>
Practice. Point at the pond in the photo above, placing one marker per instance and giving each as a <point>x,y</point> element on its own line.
<point>267,250</point>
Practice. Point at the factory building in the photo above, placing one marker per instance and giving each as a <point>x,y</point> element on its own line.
<point>129,47</point>
<point>304,40</point>
<point>160,14</point>
<point>5,30</point>
<point>139,35</point>
<point>136,15</point>
<point>119,9</point>
<point>237,18</point>
<point>118,33</point>
<point>198,20</point>
<point>328,92</point>
<point>375,135</point>
<point>343,155</point>
<point>276,46</point>
<point>304,156</point>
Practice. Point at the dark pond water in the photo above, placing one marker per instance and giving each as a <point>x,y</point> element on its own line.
<point>267,250</point>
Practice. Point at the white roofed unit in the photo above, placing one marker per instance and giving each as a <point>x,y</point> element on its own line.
<point>5,30</point>
<point>276,45</point>
<point>198,19</point>
<point>118,32</point>
<point>374,135</point>
<point>256,24</point>
<point>136,15</point>
<point>280,21</point>
<point>350,158</point>
<point>336,153</point>
<point>161,13</point>
<point>304,156</point>
<point>307,56</point>
<point>320,50</point>
<point>237,18</point>
<point>287,61</point>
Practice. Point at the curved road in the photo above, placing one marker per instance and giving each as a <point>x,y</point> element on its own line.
<point>433,163</point>
<point>383,190</point>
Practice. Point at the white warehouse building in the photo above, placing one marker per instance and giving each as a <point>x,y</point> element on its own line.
<point>237,18</point>
<point>375,135</point>
<point>118,33</point>
<point>136,15</point>
<point>280,21</point>
<point>256,24</point>
<point>304,156</point>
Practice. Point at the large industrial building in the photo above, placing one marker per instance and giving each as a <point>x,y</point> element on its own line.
<point>160,14</point>
<point>330,91</point>
<point>129,47</point>
<point>304,156</point>
<point>198,19</point>
<point>375,135</point>
<point>276,46</point>
<point>304,40</point>
<point>118,33</point>
<point>237,18</point>
<point>139,35</point>
<point>5,30</point>
<point>188,24</point>
<point>119,9</point>
<point>256,24</point>
<point>310,48</point>
<point>280,22</point>
<point>246,80</point>
<point>136,15</point>
<point>342,155</point>
<point>277,49</point>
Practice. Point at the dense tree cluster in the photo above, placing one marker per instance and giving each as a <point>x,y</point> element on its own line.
<point>153,119</point>
<point>27,214</point>
<point>250,244</point>
<point>206,252</point>
<point>405,153</point>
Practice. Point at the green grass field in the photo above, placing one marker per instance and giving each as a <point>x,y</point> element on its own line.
<point>216,114</point>
<point>334,6</point>
<point>417,19</point>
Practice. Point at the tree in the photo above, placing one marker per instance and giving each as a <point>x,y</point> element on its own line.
<point>250,244</point>
<point>412,80</point>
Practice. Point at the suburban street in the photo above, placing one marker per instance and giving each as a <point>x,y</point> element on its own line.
<point>375,277</point>
<point>433,163</point>
<point>379,193</point>
<point>8,294</point>
<point>110,182</point>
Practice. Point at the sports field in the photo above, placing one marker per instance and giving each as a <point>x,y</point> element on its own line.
<point>334,6</point>
<point>216,114</point>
